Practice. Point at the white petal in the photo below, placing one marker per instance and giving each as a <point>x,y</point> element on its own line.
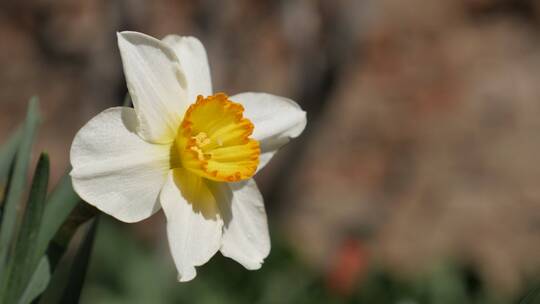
<point>194,62</point>
<point>156,84</point>
<point>114,169</point>
<point>276,119</point>
<point>245,234</point>
<point>194,225</point>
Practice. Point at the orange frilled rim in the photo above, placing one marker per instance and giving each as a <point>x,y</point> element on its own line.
<point>214,140</point>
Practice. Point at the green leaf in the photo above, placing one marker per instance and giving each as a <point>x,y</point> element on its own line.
<point>7,153</point>
<point>38,282</point>
<point>68,279</point>
<point>60,204</point>
<point>26,259</point>
<point>15,189</point>
<point>73,290</point>
<point>532,296</point>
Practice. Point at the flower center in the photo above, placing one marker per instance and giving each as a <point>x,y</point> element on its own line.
<point>213,140</point>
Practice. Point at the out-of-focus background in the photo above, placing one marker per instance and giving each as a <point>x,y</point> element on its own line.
<point>417,179</point>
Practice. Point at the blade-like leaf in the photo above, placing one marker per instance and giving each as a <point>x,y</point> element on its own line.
<point>532,296</point>
<point>59,245</point>
<point>25,259</point>
<point>77,274</point>
<point>67,281</point>
<point>7,153</point>
<point>37,283</point>
<point>59,205</point>
<point>16,187</point>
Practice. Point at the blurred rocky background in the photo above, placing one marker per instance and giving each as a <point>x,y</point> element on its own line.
<point>422,143</point>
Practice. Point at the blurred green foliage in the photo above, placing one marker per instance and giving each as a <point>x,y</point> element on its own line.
<point>29,218</point>
<point>126,270</point>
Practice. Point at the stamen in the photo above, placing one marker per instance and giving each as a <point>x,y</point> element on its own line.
<point>202,139</point>
<point>214,140</point>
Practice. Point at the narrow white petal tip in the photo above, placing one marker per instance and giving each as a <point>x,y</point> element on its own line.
<point>120,36</point>
<point>190,275</point>
<point>132,33</point>
<point>255,265</point>
<point>244,261</point>
<point>136,37</point>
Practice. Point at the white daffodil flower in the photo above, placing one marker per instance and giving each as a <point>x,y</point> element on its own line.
<point>186,150</point>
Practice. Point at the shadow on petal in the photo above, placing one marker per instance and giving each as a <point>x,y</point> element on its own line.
<point>223,192</point>
<point>129,119</point>
<point>196,190</point>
